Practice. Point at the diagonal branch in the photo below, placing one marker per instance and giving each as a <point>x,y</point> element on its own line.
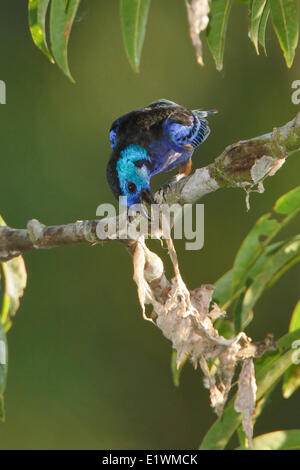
<point>244,164</point>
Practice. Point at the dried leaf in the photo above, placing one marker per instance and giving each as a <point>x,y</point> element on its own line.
<point>246,398</point>
<point>197,11</point>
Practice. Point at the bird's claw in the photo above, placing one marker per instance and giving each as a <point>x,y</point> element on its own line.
<point>167,187</point>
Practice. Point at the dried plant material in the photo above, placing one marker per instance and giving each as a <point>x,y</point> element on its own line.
<point>186,319</point>
<point>139,265</point>
<point>35,231</point>
<point>246,398</point>
<point>181,292</point>
<point>262,167</point>
<point>197,11</point>
<point>145,293</point>
<point>216,312</point>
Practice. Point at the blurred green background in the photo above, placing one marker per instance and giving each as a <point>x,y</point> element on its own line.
<point>85,370</point>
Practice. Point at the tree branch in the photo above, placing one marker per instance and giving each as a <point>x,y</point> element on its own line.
<point>244,164</point>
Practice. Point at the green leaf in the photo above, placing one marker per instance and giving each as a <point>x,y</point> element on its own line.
<point>263,25</point>
<point>62,15</point>
<point>221,431</point>
<point>252,258</point>
<point>254,271</point>
<point>257,8</point>
<point>134,15</point>
<point>241,435</point>
<point>275,266</point>
<point>176,371</point>
<point>216,30</point>
<point>268,369</point>
<point>3,369</point>
<point>277,440</point>
<point>225,328</point>
<point>289,204</point>
<point>266,228</point>
<point>260,405</point>
<point>222,289</point>
<point>263,231</point>
<point>285,18</point>
<point>37,11</point>
<point>291,381</point>
<point>14,283</point>
<point>295,319</point>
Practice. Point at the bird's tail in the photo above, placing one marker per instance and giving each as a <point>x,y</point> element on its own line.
<point>203,114</point>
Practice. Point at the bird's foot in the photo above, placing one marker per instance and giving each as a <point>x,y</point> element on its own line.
<point>168,186</point>
<point>184,170</point>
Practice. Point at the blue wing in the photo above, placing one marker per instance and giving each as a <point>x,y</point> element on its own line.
<point>188,136</point>
<point>113,134</point>
<point>115,128</point>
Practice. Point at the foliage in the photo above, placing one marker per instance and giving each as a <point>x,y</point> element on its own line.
<point>278,440</point>
<point>134,17</point>
<point>292,376</point>
<point>62,15</point>
<point>258,264</point>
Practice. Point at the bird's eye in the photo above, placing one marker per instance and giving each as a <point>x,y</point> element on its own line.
<point>139,163</point>
<point>143,163</point>
<point>131,187</point>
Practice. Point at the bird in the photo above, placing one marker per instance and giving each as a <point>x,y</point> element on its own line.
<point>150,140</point>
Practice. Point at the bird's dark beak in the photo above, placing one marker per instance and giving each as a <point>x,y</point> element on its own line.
<point>147,196</point>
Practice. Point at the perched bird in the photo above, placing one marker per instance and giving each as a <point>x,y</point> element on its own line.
<point>151,140</point>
